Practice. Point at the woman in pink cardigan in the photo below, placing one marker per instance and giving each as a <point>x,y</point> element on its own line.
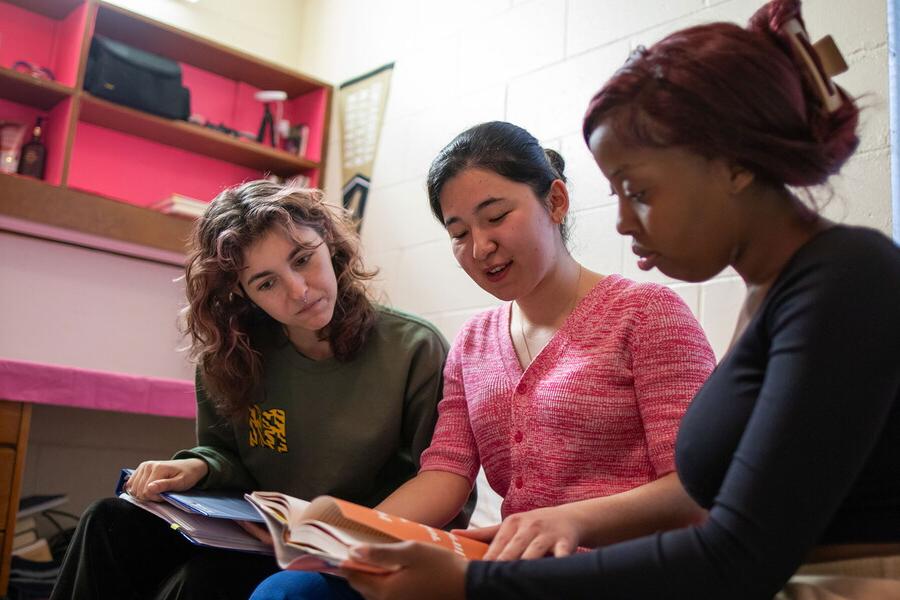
<point>570,393</point>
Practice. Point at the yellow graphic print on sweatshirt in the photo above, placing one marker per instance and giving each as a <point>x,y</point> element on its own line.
<point>267,429</point>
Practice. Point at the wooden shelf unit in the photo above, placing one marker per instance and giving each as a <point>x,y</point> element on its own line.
<point>190,137</point>
<point>55,9</point>
<point>15,420</point>
<point>137,30</point>
<point>25,89</point>
<point>96,208</point>
<point>32,200</point>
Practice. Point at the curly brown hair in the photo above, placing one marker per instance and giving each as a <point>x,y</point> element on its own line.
<point>222,323</point>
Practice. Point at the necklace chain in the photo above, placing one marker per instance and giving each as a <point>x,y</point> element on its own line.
<point>568,311</point>
<point>525,337</point>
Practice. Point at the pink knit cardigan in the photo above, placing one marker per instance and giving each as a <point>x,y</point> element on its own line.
<point>597,411</point>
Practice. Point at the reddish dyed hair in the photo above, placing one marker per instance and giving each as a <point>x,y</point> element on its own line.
<point>726,92</point>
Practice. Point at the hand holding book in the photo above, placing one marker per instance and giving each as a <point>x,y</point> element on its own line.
<point>549,531</point>
<point>412,567</point>
<point>153,477</point>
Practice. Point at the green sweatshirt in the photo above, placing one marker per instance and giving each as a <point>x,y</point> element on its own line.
<point>353,429</point>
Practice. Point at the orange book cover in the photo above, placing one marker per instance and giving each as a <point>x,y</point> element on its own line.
<point>318,535</point>
<point>405,530</point>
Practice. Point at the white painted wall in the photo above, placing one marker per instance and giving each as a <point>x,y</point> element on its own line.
<point>266,28</point>
<point>80,452</point>
<point>86,308</point>
<point>536,63</point>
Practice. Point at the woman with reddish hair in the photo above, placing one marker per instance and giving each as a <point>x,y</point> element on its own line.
<point>793,443</point>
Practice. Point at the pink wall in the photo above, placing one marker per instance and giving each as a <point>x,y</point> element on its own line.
<point>212,96</point>
<point>222,100</point>
<point>85,308</point>
<point>311,109</point>
<point>26,36</point>
<point>142,172</point>
<point>41,40</point>
<point>67,50</point>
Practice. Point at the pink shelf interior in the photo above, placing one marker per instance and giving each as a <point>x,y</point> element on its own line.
<point>222,100</point>
<point>54,131</point>
<point>143,172</point>
<point>45,42</point>
<point>212,96</point>
<point>312,109</point>
<point>128,167</point>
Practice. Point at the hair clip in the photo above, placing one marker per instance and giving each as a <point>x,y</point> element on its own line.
<point>637,54</point>
<point>821,62</point>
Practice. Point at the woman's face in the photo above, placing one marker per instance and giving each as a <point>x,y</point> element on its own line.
<point>501,233</point>
<point>291,278</point>
<point>678,207</point>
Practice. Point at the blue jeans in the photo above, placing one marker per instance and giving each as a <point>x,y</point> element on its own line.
<point>304,585</point>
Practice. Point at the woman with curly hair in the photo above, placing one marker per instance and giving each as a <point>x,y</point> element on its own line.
<point>304,386</point>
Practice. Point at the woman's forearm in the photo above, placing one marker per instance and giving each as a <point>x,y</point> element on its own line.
<point>431,497</point>
<point>657,506</point>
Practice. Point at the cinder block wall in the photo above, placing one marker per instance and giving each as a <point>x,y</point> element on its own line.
<point>536,63</point>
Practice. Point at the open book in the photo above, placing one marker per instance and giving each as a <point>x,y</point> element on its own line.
<point>317,535</point>
<point>204,518</point>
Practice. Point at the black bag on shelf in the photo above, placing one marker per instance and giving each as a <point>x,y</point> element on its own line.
<point>126,75</point>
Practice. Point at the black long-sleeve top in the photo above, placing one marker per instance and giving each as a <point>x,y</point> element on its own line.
<point>794,441</point>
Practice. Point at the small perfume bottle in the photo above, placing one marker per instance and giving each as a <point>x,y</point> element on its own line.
<point>34,153</point>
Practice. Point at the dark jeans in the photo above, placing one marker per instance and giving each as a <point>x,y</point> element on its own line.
<point>122,552</point>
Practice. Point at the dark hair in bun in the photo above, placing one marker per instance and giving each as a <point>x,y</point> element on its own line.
<point>500,147</point>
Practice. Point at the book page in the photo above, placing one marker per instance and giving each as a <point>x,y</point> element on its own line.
<point>286,509</point>
<point>327,527</point>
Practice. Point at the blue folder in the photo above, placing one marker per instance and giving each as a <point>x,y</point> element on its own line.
<point>217,504</point>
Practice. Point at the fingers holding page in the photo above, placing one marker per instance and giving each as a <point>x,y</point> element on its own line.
<point>535,534</point>
<point>482,534</point>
